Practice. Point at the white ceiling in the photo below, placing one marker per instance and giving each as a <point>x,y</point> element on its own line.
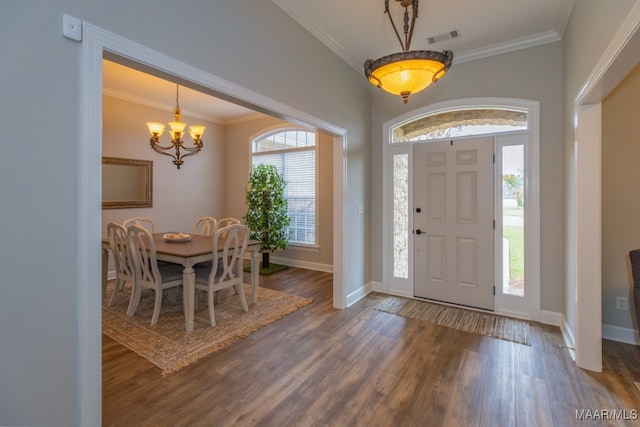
<point>132,85</point>
<point>357,30</point>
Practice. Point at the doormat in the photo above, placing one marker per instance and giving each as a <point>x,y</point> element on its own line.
<point>476,322</point>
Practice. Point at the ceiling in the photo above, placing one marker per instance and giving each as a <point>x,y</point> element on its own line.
<point>357,30</point>
<point>126,83</point>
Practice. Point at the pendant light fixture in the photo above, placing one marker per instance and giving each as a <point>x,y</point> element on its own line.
<point>177,131</point>
<point>410,71</point>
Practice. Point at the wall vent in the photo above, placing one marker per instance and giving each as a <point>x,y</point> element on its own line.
<point>444,36</point>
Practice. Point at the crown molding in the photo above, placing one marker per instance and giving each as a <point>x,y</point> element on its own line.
<point>506,47</point>
<point>125,96</point>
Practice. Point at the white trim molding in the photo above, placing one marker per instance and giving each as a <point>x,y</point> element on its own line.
<point>569,337</point>
<point>359,293</point>
<point>620,334</point>
<point>326,268</point>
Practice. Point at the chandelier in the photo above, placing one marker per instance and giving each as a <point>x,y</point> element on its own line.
<point>177,131</point>
<point>410,71</point>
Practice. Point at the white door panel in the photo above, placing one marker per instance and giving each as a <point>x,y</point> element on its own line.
<point>453,222</point>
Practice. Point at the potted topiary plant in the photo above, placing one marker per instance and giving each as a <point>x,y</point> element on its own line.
<point>267,215</point>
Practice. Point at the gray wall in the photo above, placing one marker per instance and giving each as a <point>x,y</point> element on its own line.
<point>251,43</point>
<point>534,74</point>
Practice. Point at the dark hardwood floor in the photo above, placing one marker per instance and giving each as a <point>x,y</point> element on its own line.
<point>360,367</point>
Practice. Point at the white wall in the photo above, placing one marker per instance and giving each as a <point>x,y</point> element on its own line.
<point>252,44</point>
<point>532,74</point>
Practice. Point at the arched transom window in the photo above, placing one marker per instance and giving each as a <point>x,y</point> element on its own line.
<point>458,123</point>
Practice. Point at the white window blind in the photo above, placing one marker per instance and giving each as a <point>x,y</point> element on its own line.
<point>293,153</point>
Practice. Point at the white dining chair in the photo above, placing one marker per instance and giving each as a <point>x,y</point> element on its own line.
<point>141,221</point>
<point>225,222</point>
<point>117,236</point>
<point>232,242</point>
<point>147,272</point>
<point>206,226</point>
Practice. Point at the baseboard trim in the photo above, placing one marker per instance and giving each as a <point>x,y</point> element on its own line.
<point>551,318</point>
<point>378,287</point>
<point>358,294</point>
<point>620,334</point>
<point>326,268</point>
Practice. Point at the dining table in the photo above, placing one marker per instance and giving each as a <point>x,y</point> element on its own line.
<point>198,249</point>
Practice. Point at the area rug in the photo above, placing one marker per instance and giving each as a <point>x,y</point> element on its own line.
<point>168,346</point>
<point>476,322</point>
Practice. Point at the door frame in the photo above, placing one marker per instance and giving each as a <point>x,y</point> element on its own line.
<point>404,287</point>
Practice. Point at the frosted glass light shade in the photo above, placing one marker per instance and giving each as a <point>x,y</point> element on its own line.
<point>196,131</point>
<point>177,127</point>
<point>155,128</point>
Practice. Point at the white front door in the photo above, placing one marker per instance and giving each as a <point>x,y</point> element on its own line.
<point>453,222</point>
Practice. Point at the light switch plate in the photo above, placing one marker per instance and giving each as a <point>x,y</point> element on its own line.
<point>71,28</point>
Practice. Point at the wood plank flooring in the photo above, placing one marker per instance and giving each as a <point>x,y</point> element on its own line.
<point>361,367</point>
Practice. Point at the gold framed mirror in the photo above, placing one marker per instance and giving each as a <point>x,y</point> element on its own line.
<point>126,183</point>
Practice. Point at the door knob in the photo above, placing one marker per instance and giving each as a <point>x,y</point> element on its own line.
<point>418,231</point>
<point>418,210</point>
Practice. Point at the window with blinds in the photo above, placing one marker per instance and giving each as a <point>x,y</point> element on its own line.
<point>293,153</point>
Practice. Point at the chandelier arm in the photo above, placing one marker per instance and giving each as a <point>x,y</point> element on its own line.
<point>405,28</point>
<point>155,144</point>
<point>414,10</point>
<point>194,149</point>
<point>159,150</point>
<point>393,25</point>
<point>445,67</point>
<point>189,153</point>
<point>436,75</point>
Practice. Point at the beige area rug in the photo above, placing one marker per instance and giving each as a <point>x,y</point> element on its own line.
<point>168,346</point>
<point>476,322</point>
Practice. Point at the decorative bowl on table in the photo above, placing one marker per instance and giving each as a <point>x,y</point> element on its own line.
<point>177,237</point>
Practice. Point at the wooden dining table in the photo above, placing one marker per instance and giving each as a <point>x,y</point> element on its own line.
<point>197,250</point>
